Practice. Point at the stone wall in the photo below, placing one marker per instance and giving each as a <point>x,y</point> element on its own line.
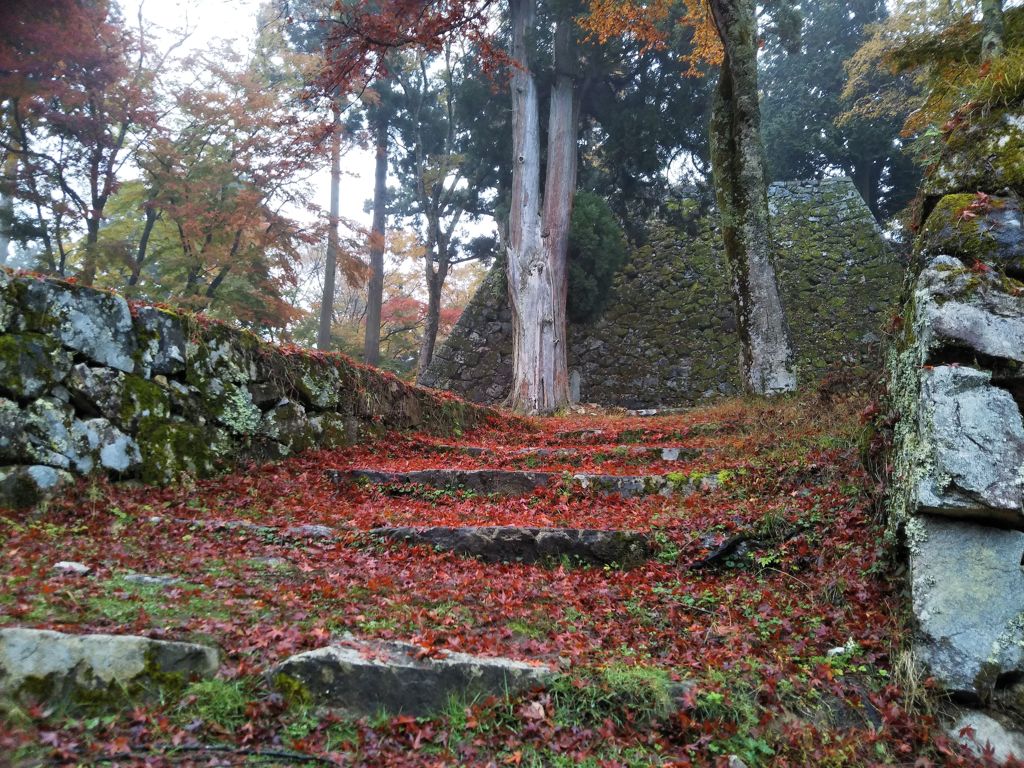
<point>668,335</point>
<point>91,385</point>
<point>957,387</point>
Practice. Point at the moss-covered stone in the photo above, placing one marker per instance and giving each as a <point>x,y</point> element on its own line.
<point>984,155</point>
<point>171,448</point>
<point>30,364</point>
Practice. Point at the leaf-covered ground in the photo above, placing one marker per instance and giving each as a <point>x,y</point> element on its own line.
<point>752,632</point>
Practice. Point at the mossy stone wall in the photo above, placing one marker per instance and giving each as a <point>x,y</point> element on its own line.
<point>91,385</point>
<point>668,335</point>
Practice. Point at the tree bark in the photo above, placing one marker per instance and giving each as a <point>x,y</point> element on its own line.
<point>323,334</point>
<point>536,253</point>
<point>737,157</point>
<point>435,282</point>
<point>992,25</point>
<point>375,288</point>
<point>140,255</point>
<point>7,188</point>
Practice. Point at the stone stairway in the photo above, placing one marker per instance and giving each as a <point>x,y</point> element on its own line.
<point>621,570</point>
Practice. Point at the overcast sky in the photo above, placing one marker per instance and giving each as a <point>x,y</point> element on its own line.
<point>235,21</point>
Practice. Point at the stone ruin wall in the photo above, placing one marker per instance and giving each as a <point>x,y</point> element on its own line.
<point>668,334</point>
<point>957,387</point>
<point>90,385</point>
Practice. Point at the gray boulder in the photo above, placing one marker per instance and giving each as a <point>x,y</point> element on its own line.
<point>964,308</point>
<point>27,486</point>
<point>30,364</point>
<point>978,732</point>
<point>161,339</point>
<point>122,398</point>
<point>967,587</point>
<point>363,678</point>
<point>95,323</point>
<point>976,437</point>
<point>286,423</point>
<point>511,544</point>
<point>109,447</point>
<point>36,663</point>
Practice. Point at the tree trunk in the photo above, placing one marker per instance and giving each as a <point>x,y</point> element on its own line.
<point>536,262</point>
<point>992,25</point>
<point>7,190</point>
<point>323,334</point>
<point>92,238</point>
<point>375,288</point>
<point>435,282</point>
<point>737,158</point>
<point>140,255</point>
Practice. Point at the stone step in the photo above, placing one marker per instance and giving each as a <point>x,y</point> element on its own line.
<point>364,677</point>
<point>41,664</point>
<point>651,452</point>
<point>513,544</point>
<point>510,482</point>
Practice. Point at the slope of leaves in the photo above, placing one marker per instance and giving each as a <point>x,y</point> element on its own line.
<point>752,635</point>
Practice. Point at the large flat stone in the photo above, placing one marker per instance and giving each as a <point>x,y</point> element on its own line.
<point>508,482</point>
<point>511,544</point>
<point>964,308</point>
<point>976,437</point>
<point>364,678</point>
<point>968,598</point>
<point>483,481</point>
<point>37,663</point>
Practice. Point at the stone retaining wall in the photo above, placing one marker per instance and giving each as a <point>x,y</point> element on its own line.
<point>668,335</point>
<point>89,384</point>
<point>956,385</point>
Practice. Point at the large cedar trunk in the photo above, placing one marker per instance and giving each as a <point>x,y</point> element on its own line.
<point>536,249</point>
<point>323,334</point>
<point>375,288</point>
<point>737,158</point>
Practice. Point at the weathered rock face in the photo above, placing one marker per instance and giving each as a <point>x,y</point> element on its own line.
<point>977,439</point>
<point>363,678</point>
<point>40,664</point>
<point>957,387</point>
<point>968,595</point>
<point>86,387</point>
<point>668,335</point>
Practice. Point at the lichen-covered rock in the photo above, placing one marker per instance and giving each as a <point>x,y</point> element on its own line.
<point>40,664</point>
<point>109,447</point>
<point>123,398</point>
<point>968,597</point>
<point>27,486</point>
<point>286,423</point>
<point>161,341</point>
<point>363,678</point>
<point>990,230</point>
<point>94,323</point>
<point>977,439</point>
<point>317,381</point>
<point>980,311</point>
<point>30,364</point>
<point>43,433</point>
